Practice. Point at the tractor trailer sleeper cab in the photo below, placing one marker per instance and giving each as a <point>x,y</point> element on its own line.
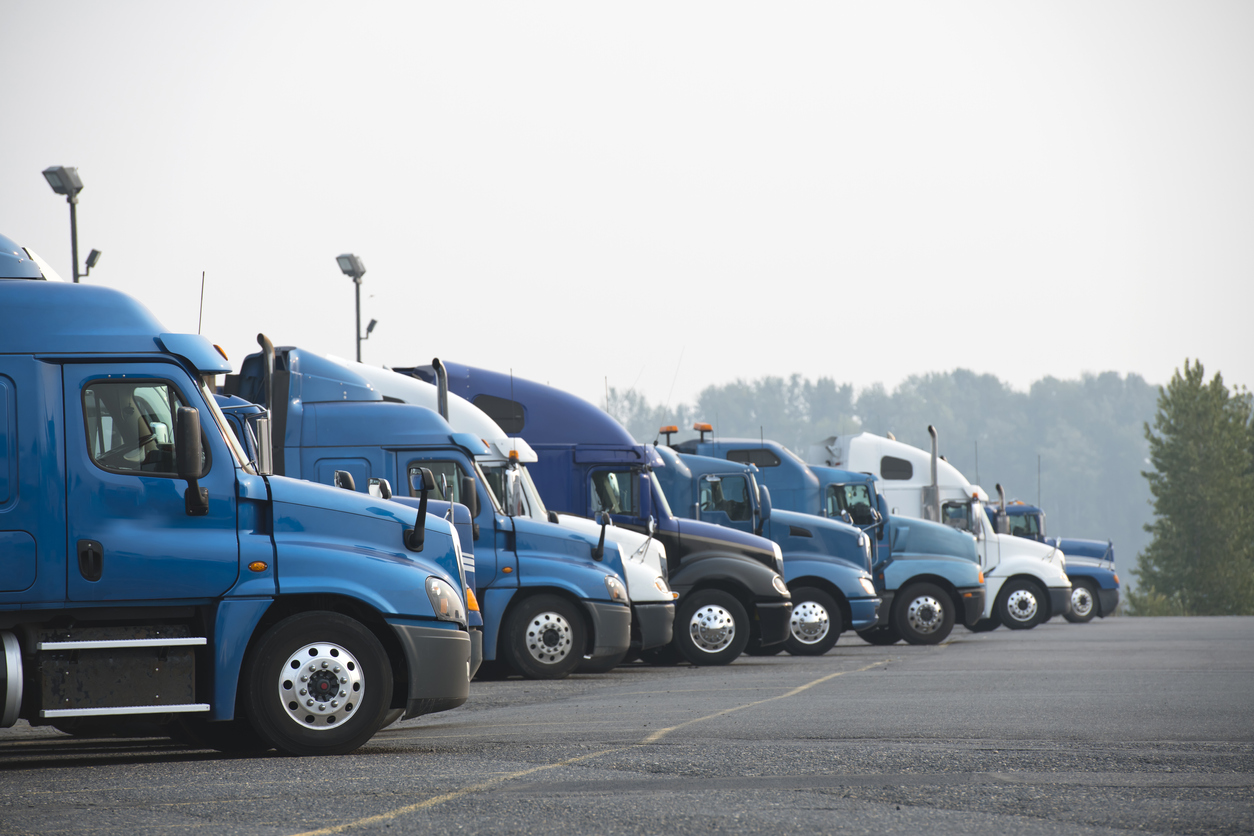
<point>152,570</point>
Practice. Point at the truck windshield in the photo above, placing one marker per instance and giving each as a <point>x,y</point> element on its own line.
<point>496,477</point>
<point>1027,525</point>
<point>957,515</point>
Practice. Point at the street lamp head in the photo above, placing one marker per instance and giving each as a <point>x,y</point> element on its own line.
<point>64,180</point>
<point>92,258</point>
<point>351,266</point>
<point>371,326</point>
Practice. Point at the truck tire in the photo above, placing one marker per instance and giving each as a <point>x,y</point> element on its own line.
<point>985,625</point>
<point>602,665</point>
<point>711,628</point>
<point>883,636</point>
<point>815,623</point>
<point>230,736</point>
<point>1083,603</point>
<point>924,614</point>
<point>291,679</point>
<point>1021,605</point>
<point>544,637</point>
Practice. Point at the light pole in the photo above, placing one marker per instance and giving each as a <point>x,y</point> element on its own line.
<point>65,180</point>
<point>354,268</point>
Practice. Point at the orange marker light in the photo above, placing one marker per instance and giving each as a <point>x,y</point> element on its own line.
<point>472,603</point>
<point>669,428</point>
<point>223,353</point>
<point>702,427</point>
<point>258,566</point>
<point>507,569</point>
<point>513,455</point>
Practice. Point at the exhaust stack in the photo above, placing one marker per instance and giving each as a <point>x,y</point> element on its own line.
<point>441,387</point>
<point>931,494</point>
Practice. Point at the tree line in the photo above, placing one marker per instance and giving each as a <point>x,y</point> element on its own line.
<point>1083,449</point>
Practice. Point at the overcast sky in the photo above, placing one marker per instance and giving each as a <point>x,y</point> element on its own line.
<point>658,194</point>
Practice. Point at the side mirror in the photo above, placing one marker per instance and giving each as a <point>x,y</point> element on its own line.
<point>764,499</point>
<point>845,517</point>
<point>189,459</point>
<point>423,482</point>
<point>652,526</point>
<point>444,487</point>
<point>344,479</point>
<point>265,453</point>
<point>470,498</point>
<point>1003,522</point>
<point>381,488</point>
<point>598,553</point>
<point>553,518</point>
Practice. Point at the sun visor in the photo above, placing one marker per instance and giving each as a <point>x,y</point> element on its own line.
<point>471,442</point>
<point>526,455</point>
<point>195,349</point>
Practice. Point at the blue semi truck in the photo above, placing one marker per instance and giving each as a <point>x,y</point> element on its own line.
<point>152,570</point>
<point>1090,563</point>
<point>550,597</point>
<point>732,595</point>
<point>927,574</point>
<point>827,562</point>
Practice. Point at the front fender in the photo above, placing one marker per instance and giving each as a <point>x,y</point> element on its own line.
<point>957,570</point>
<point>836,571</point>
<point>1103,577</point>
<point>580,578</point>
<point>728,568</point>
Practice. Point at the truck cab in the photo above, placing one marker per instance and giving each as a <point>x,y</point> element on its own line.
<point>1026,581</point>
<point>826,562</point>
<point>732,595</point>
<point>1090,563</point>
<point>550,597</point>
<point>928,579</point>
<point>152,569</point>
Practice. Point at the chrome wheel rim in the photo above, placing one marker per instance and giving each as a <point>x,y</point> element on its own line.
<point>810,622</point>
<point>549,638</point>
<point>712,628</point>
<point>321,685</point>
<point>925,614</point>
<point>1081,601</point>
<point>1022,605</point>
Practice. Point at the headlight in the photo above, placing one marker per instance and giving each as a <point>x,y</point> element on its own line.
<point>660,584</point>
<point>445,601</point>
<point>780,586</point>
<point>779,558</point>
<point>867,585</point>
<point>617,591</point>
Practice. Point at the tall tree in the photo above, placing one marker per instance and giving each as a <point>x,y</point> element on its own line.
<point>1201,558</point>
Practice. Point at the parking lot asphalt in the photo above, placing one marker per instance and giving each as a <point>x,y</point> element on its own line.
<point>1124,724</point>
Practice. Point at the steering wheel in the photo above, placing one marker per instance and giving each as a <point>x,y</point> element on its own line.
<point>115,457</point>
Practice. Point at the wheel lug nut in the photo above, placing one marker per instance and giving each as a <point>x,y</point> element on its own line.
<point>304,678</point>
<point>322,707</point>
<point>336,669</point>
<point>335,703</point>
<point>303,692</point>
<point>308,702</point>
<point>324,664</point>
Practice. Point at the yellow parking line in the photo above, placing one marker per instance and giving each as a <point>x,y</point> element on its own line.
<point>485,785</point>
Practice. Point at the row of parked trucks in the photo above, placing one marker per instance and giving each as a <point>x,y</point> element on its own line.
<point>316,547</point>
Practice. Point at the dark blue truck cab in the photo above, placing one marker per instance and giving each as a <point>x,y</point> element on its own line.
<point>151,570</point>
<point>732,593</point>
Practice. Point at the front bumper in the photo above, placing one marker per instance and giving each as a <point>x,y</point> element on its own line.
<point>863,612</point>
<point>885,612</point>
<point>972,604</point>
<point>1107,601</point>
<point>1059,600</point>
<point>611,628</point>
<point>772,621</point>
<point>439,667</point>
<point>653,624</point>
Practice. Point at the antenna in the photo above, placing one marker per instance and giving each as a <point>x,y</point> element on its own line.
<point>977,463</point>
<point>761,437</point>
<point>607,394</point>
<point>201,318</point>
<point>511,399</point>
<point>1038,480</point>
<point>671,391</point>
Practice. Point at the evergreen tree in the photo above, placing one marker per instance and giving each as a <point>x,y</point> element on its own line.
<point>1201,558</point>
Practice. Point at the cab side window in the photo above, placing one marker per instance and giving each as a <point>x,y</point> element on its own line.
<point>449,470</point>
<point>130,426</point>
<point>729,494</point>
<point>615,492</point>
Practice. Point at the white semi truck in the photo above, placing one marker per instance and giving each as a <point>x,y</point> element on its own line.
<point>1027,581</point>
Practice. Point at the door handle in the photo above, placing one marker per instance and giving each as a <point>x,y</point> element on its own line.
<point>90,559</point>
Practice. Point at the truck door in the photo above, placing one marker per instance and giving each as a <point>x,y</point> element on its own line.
<point>129,536</point>
<point>495,530</point>
<point>725,501</point>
